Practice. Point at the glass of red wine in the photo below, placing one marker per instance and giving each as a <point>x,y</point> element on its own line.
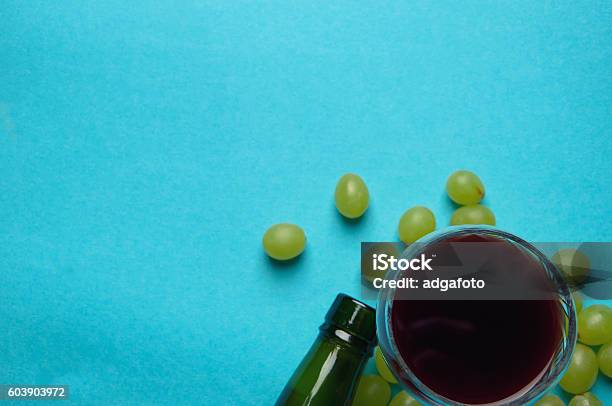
<point>495,347</point>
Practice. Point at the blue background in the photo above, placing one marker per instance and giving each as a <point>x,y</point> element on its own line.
<point>146,146</point>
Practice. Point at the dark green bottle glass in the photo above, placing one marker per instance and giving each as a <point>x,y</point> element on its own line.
<point>330,371</point>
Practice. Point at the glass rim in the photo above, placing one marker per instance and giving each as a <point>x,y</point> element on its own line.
<point>549,376</point>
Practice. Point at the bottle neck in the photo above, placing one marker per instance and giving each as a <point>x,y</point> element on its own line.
<point>353,343</point>
<point>329,372</point>
<point>328,375</point>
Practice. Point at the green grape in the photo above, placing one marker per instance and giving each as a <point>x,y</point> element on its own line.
<point>595,325</point>
<point>550,400</point>
<point>415,223</point>
<point>381,365</point>
<point>372,391</point>
<point>465,188</point>
<point>582,371</point>
<point>476,214</point>
<point>586,399</point>
<point>604,358</point>
<point>593,399</point>
<point>404,399</point>
<point>284,241</point>
<point>352,196</point>
<point>578,301</point>
<point>574,264</point>
<point>367,266</point>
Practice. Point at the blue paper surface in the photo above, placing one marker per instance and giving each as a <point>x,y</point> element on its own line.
<point>146,146</point>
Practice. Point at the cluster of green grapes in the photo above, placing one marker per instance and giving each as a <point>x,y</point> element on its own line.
<point>287,241</point>
<point>594,329</point>
<point>464,188</point>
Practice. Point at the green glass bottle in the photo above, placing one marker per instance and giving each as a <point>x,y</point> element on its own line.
<point>330,371</point>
